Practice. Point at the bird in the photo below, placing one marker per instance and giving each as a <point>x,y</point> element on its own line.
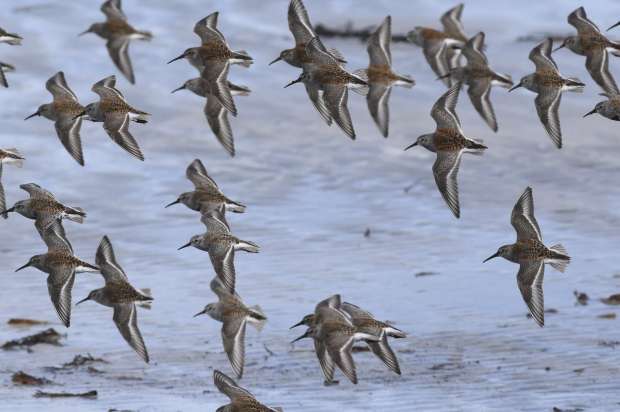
<point>5,68</point>
<point>379,75</point>
<point>449,143</point>
<point>532,255</point>
<point>240,399</point>
<point>214,52</point>
<point>43,207</point>
<point>215,112</point>
<point>303,32</point>
<point>325,73</point>
<point>63,111</point>
<point>118,33</point>
<point>234,315</point>
<point>548,84</point>
<point>121,296</point>
<point>115,113</point>
<point>221,246</point>
<point>609,108</point>
<point>479,78</point>
<point>590,42</point>
<point>8,156</point>
<point>10,38</point>
<point>207,196</point>
<point>441,48</point>
<point>61,266</point>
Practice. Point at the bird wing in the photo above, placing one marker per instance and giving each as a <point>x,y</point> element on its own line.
<point>383,351</point>
<point>37,192</point>
<point>339,348</point>
<point>126,320</point>
<point>59,285</point>
<point>377,101</point>
<point>326,361</point>
<point>379,44</point>
<point>113,10</point>
<point>216,74</point>
<point>228,386</point>
<point>54,236</point>
<point>106,260</point>
<point>473,51</point>
<point>547,106</point>
<point>217,117</point>
<point>336,96</point>
<point>233,337</point>
<point>68,131</point>
<point>224,266</point>
<point>443,111</point>
<point>530,281</point>
<point>207,30</point>
<point>299,23</point>
<point>522,217</point>
<point>58,87</point>
<point>479,92</point>
<point>579,20</point>
<point>197,174</point>
<point>317,100</point>
<point>597,63</point>
<point>116,124</point>
<point>118,49</point>
<point>435,55</point>
<point>445,170</point>
<point>541,56</point>
<point>451,21</point>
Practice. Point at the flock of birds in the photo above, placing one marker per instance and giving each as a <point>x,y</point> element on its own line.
<point>334,325</point>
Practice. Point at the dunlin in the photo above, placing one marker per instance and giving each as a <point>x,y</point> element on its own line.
<point>64,111</point>
<point>240,399</point>
<point>234,315</point>
<point>479,78</point>
<point>44,208</point>
<point>207,197</point>
<point>8,156</point>
<point>10,38</point>
<point>61,266</point>
<point>221,246</point>
<point>5,68</point>
<point>120,295</point>
<point>609,108</point>
<point>118,33</point>
<point>216,113</point>
<point>325,73</point>
<point>302,30</point>
<point>532,255</point>
<point>549,84</point>
<point>449,143</point>
<point>590,42</point>
<point>214,51</point>
<point>380,76</point>
<point>115,113</point>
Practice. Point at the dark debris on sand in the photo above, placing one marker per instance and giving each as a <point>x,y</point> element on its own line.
<point>349,32</point>
<point>22,378</point>
<point>25,322</point>
<point>48,336</point>
<point>425,273</point>
<point>86,395</point>
<point>612,300</point>
<point>78,360</point>
<point>607,316</point>
<point>582,298</point>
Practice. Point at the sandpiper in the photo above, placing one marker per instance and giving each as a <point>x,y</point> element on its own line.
<point>64,111</point>
<point>302,30</point>
<point>549,84</point>
<point>216,113</point>
<point>234,315</point>
<point>10,38</point>
<point>120,295</point>
<point>115,113</point>
<point>240,399</point>
<point>44,208</point>
<point>5,68</point>
<point>214,51</point>
<point>380,76</point>
<point>61,266</point>
<point>441,48</point>
<point>8,156</point>
<point>325,73</point>
<point>449,143</point>
<point>590,42</point>
<point>118,33</point>
<point>221,246</point>
<point>609,108</point>
<point>480,78</point>
<point>531,254</point>
<point>207,196</point>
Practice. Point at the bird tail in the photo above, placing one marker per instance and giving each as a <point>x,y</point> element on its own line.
<point>145,35</point>
<point>573,84</point>
<point>394,332</point>
<point>248,246</point>
<point>475,146</point>
<point>244,56</point>
<point>75,214</point>
<point>16,160</point>
<point>258,317</point>
<point>408,80</point>
<point>504,80</point>
<point>235,207</point>
<point>558,258</point>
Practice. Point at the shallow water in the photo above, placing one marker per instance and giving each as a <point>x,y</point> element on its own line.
<point>311,194</point>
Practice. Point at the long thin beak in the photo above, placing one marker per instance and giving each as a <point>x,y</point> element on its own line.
<point>33,115</point>
<point>80,115</point>
<point>411,145</point>
<point>177,58</point>
<point>515,87</point>
<point>185,245</point>
<point>7,211</point>
<point>589,113</point>
<point>177,89</point>
<point>559,47</point>
<point>277,59</point>
<point>23,267</point>
<point>202,312</point>
<point>173,203</point>
<point>83,300</point>
<point>84,32</point>
<point>615,25</point>
<point>297,324</point>
<point>444,76</point>
<point>292,83</point>
<point>491,257</point>
<point>305,335</point>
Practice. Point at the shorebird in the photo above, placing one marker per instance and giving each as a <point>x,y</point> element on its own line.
<point>449,143</point>
<point>115,113</point>
<point>5,68</point>
<point>549,84</point>
<point>380,76</point>
<point>532,255</point>
<point>441,48</point>
<point>216,113</point>
<point>590,42</point>
<point>44,208</point>
<point>609,108</point>
<point>120,295</point>
<point>61,266</point>
<point>8,156</point>
<point>303,32</point>
<point>118,33</point>
<point>10,38</point>
<point>234,315</point>
<point>214,52</point>
<point>221,246</point>
<point>323,72</point>
<point>479,78</point>
<point>63,111</point>
<point>240,399</point>
<point>207,196</point>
